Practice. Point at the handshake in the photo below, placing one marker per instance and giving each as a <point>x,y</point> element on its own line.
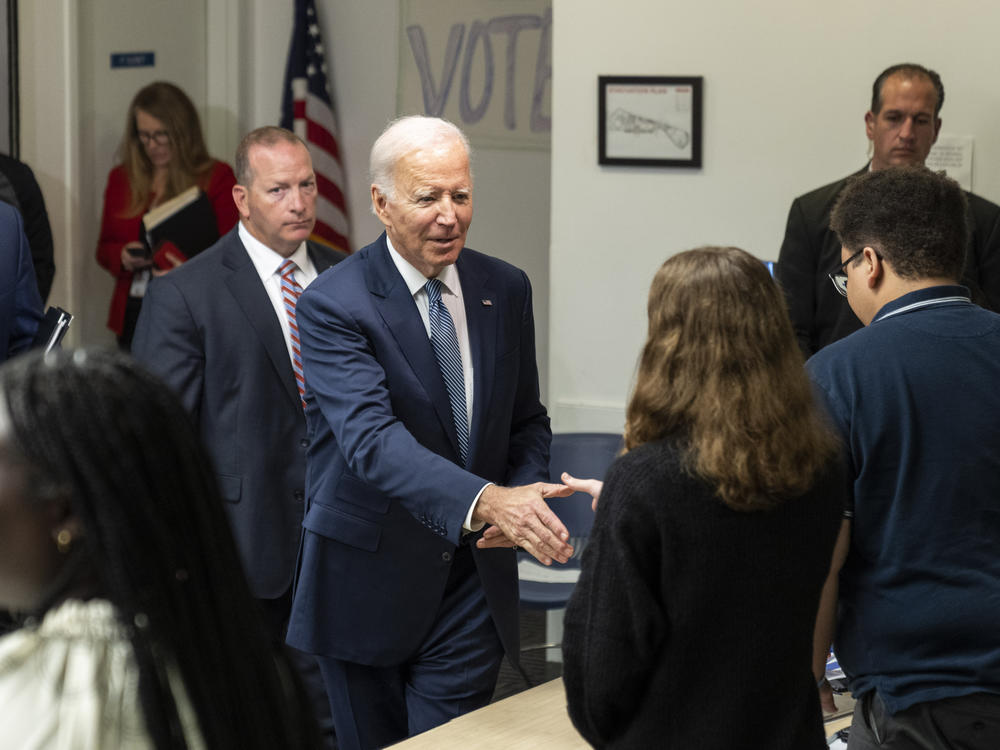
<point>520,517</point>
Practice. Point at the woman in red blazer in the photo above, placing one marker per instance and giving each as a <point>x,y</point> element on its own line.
<point>161,155</point>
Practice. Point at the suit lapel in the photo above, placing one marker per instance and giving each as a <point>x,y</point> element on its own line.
<point>481,310</point>
<point>319,255</point>
<point>396,306</point>
<point>244,284</point>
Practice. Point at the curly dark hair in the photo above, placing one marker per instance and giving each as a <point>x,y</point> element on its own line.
<point>913,217</point>
<point>907,70</point>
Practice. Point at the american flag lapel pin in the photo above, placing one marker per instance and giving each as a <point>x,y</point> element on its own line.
<point>487,302</point>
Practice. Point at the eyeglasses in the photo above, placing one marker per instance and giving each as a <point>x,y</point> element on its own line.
<point>159,137</point>
<point>839,277</point>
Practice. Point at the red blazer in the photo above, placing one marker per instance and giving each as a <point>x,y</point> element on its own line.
<point>118,229</point>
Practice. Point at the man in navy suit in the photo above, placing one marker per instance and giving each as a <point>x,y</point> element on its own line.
<point>409,609</point>
<point>217,332</point>
<point>20,304</point>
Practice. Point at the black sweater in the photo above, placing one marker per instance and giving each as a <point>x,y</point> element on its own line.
<point>692,623</point>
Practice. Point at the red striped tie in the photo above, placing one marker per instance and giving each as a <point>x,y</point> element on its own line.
<point>290,291</point>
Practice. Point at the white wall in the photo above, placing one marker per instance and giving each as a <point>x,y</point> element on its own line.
<point>49,58</point>
<point>786,86</point>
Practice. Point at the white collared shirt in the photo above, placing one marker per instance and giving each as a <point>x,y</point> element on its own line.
<point>267,262</point>
<point>451,296</point>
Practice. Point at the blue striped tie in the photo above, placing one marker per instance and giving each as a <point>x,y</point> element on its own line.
<point>449,357</point>
<point>290,291</point>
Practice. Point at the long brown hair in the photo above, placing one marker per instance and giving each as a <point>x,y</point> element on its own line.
<point>722,371</point>
<point>189,162</point>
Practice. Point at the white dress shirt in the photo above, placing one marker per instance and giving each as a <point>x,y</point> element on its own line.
<point>451,296</point>
<point>267,262</point>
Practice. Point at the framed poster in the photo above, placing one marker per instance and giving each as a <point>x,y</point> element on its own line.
<point>649,121</point>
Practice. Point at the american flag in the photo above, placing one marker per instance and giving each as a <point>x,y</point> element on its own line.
<point>307,109</point>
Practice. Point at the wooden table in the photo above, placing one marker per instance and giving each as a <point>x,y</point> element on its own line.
<point>532,719</point>
<point>841,719</point>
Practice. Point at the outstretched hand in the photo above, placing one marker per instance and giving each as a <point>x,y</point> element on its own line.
<point>592,487</point>
<point>520,517</point>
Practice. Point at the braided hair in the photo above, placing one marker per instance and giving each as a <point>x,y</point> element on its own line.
<point>94,428</point>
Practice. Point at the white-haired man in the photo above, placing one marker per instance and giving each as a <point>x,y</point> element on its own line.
<point>422,399</point>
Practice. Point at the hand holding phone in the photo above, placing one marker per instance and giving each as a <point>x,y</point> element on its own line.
<point>135,256</point>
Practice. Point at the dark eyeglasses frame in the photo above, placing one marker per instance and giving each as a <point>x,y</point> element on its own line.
<point>839,277</point>
<point>159,137</point>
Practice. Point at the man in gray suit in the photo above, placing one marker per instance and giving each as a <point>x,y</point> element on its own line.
<point>219,331</point>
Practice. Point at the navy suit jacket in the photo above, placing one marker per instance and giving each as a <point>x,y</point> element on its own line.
<point>20,303</point>
<point>209,330</point>
<point>386,494</point>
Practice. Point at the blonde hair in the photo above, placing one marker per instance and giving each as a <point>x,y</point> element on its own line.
<point>189,162</point>
<point>722,371</point>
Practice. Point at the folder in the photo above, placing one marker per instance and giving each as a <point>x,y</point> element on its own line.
<point>187,220</point>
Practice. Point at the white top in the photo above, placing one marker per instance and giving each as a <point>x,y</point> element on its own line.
<point>267,262</point>
<point>72,683</point>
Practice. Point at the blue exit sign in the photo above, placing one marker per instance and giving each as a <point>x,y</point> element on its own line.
<point>133,59</point>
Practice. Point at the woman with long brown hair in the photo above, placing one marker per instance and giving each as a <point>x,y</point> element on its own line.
<point>162,154</point>
<point>692,622</point>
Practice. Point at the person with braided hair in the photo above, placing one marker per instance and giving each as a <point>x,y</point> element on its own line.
<point>139,629</point>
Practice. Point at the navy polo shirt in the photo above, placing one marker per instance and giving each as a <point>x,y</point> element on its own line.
<point>916,398</point>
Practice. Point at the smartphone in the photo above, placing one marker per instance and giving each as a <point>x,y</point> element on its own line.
<point>139,252</point>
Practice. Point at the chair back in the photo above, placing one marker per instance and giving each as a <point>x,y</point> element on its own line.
<point>585,455</point>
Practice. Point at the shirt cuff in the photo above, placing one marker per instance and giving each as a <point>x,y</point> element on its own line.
<point>469,524</point>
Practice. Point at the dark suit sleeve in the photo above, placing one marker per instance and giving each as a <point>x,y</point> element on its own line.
<point>36,224</point>
<point>27,302</point>
<point>796,272</point>
<point>530,436</point>
<point>349,385</point>
<point>983,267</point>
<point>168,342</point>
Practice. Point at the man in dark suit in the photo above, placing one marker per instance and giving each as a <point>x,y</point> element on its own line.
<point>422,391</point>
<point>902,125</point>
<point>20,305</point>
<point>19,188</point>
<point>216,331</point>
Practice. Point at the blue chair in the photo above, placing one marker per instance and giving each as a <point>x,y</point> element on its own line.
<point>584,455</point>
